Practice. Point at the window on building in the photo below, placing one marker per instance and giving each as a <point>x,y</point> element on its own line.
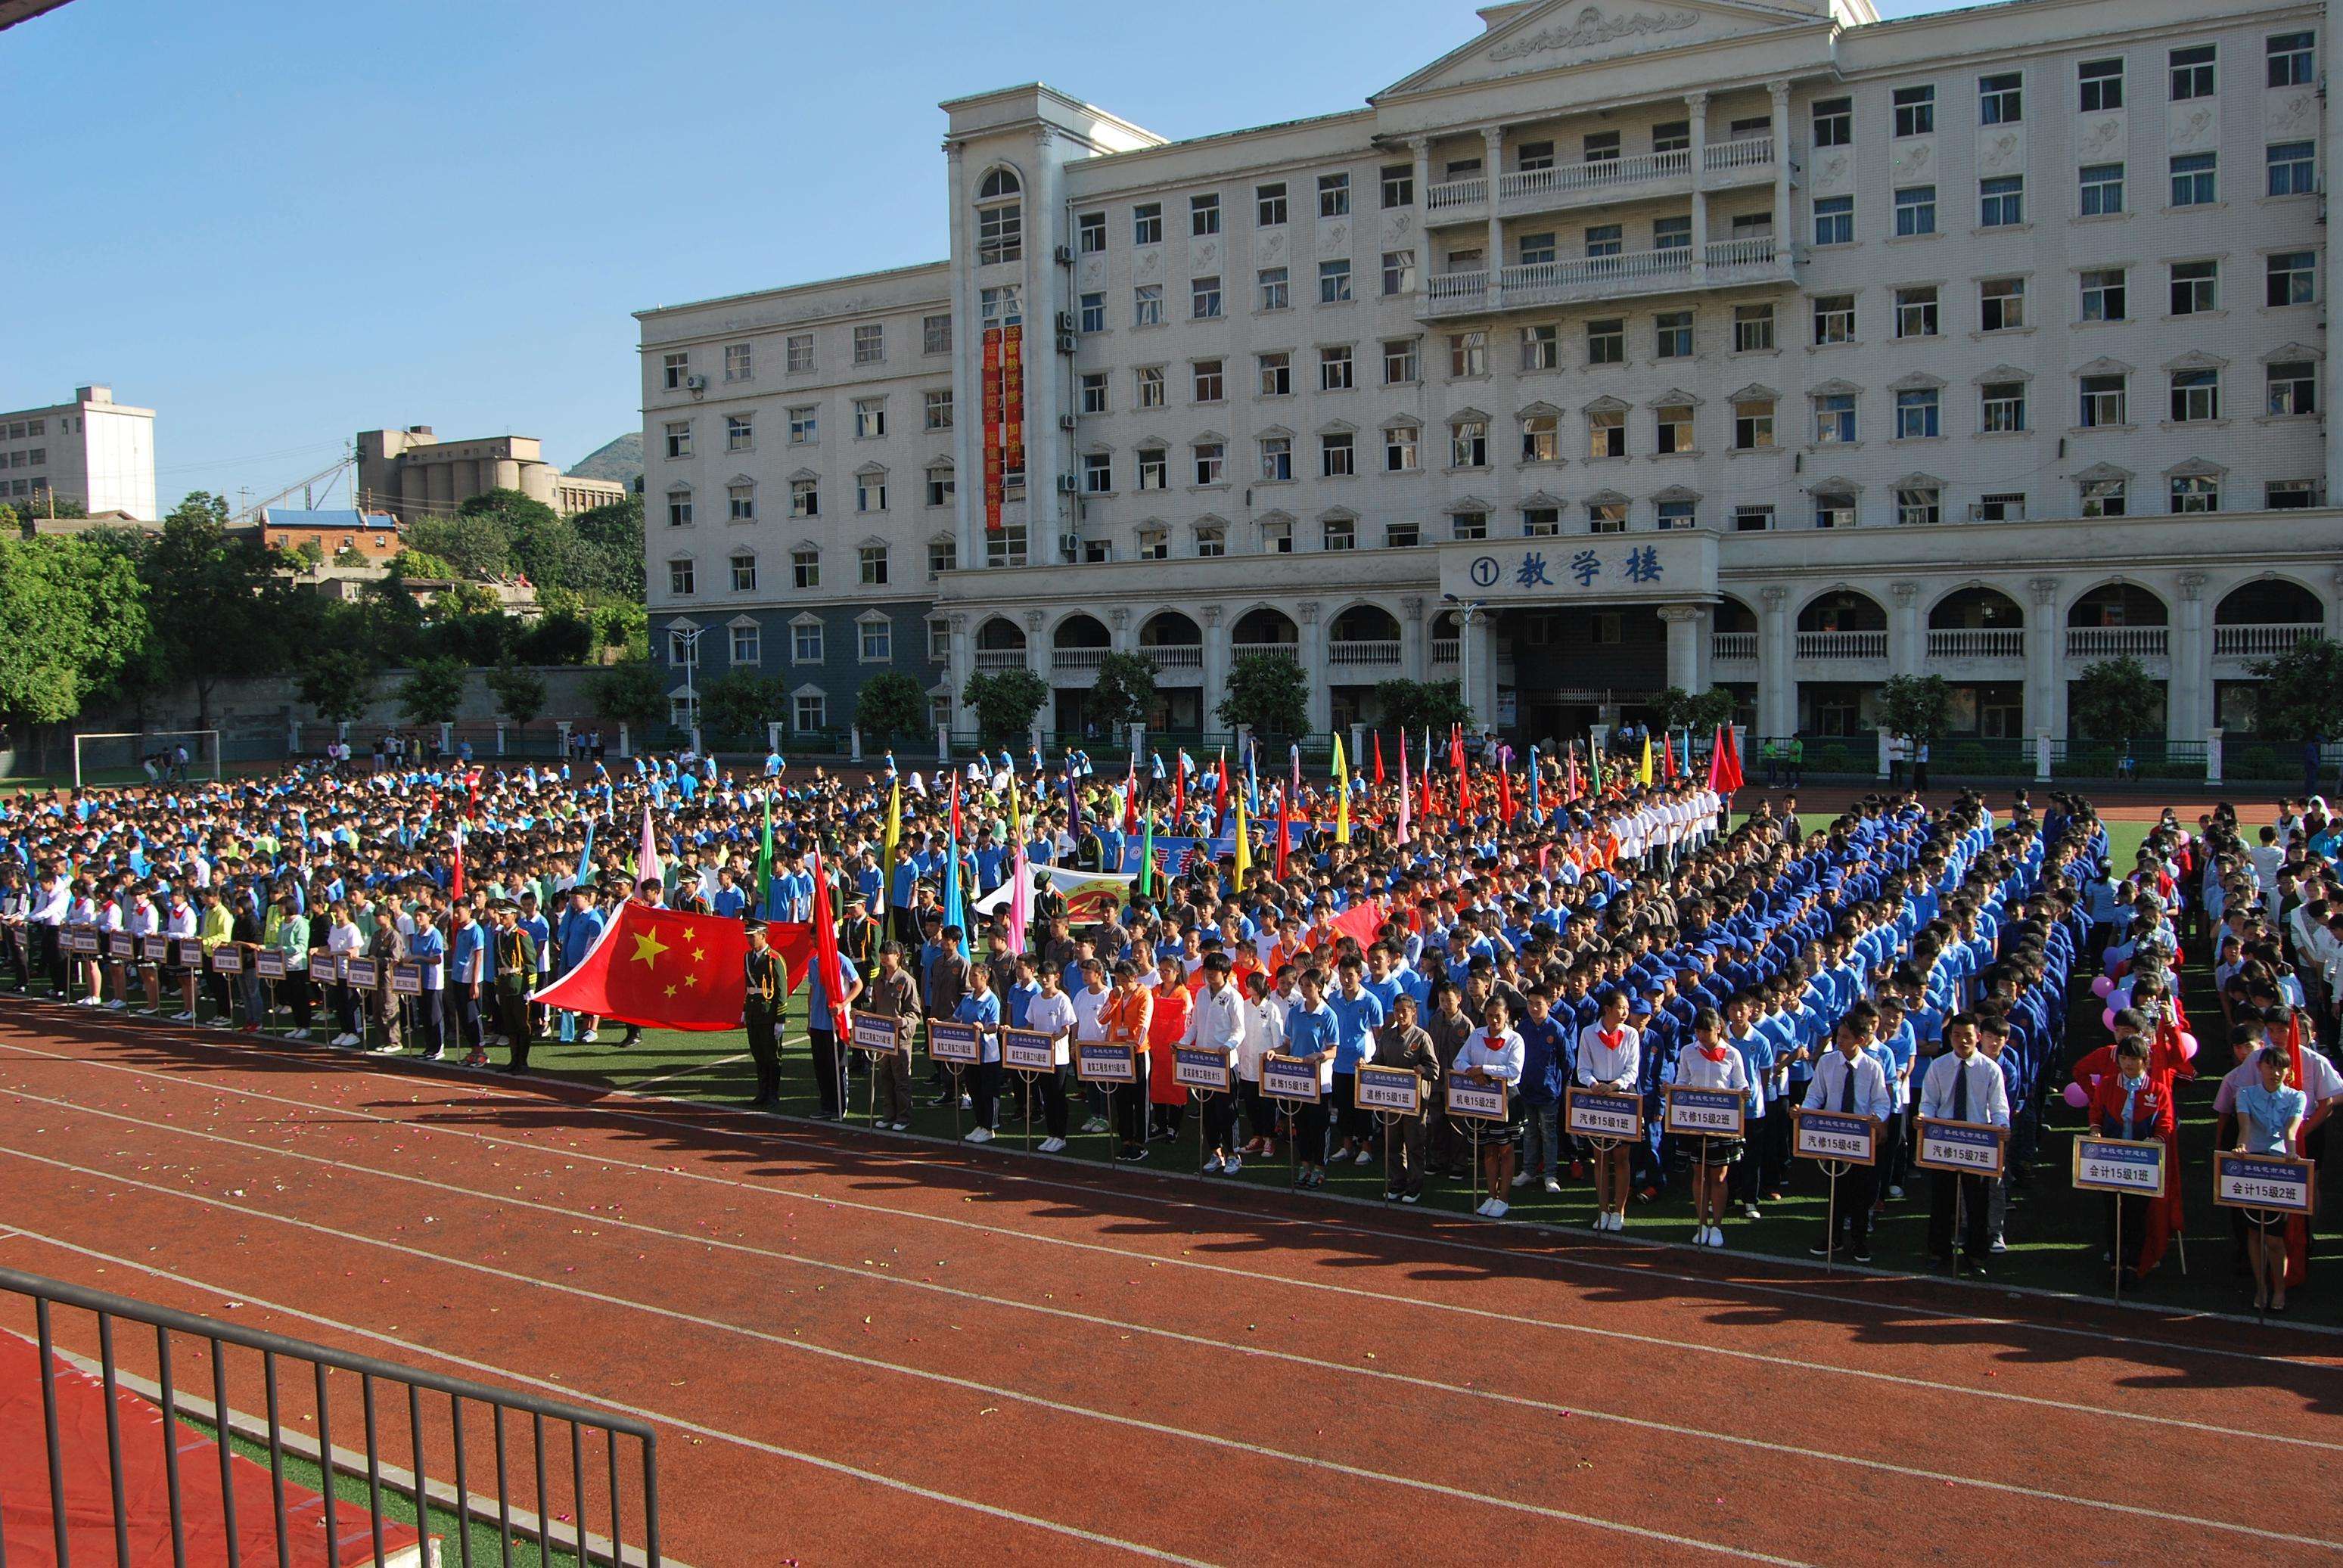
<point>2001,304</point>
<point>2100,85</point>
<point>2193,182</point>
<point>1333,195</point>
<point>1339,534</point>
<point>2002,408</point>
<point>673,370</point>
<point>1204,215</point>
<point>1005,545</point>
<point>1752,520</point>
<point>740,362</point>
<point>935,333</point>
<point>1915,211</point>
<point>870,343</point>
<point>741,499</point>
<point>1753,425</point>
<point>1334,369</point>
<point>1834,418</point>
<point>2105,498</point>
<point>1090,311</point>
<point>1915,110</point>
<point>1678,514</point>
<point>1671,427</point>
<point>1468,354</point>
<point>2105,400</point>
<point>1671,136</point>
<point>1607,239</point>
<point>805,498</point>
<point>877,641</point>
<point>1212,540</point>
<point>1147,305</point>
<point>1606,433</point>
<point>744,574</point>
<point>1399,271</point>
<point>1833,510</point>
<point>1833,315</point>
<point>870,492</point>
<point>2291,169</point>
<point>1753,328</point>
<point>679,509</point>
<point>2192,73</point>
<point>1206,381</point>
<point>748,645</point>
<point>1276,373</point>
<point>1148,387</point>
<point>1204,298</point>
<point>870,418</point>
<point>804,425</point>
<point>2001,98</point>
<point>811,712</point>
<point>940,485</point>
<point>2103,294</point>
<point>1154,467</point>
<point>1834,220</point>
<point>1399,361</point>
<point>1276,458</point>
<point>2290,494</point>
<point>1090,392</point>
<point>1540,438</point>
<point>1212,458</point>
<point>2195,492</point>
<point>1606,517</point>
<point>1672,335</point>
<point>936,408</point>
<point>1468,443</point>
<point>797,353</point>
<point>1672,233</point>
<point>1606,340</point>
<point>1334,281</point>
<point>678,576</point>
<point>999,219</point>
<point>1834,122</point>
<point>1089,233</point>
<point>1402,446</point>
<point>1915,311</point>
<point>1147,222</point>
<point>678,438</point>
<point>805,569</point>
<point>2102,189</point>
<point>2290,58</point>
<point>1277,536</point>
<point>2291,275</point>
<point>2196,287</point>
<point>2195,395</point>
<point>1336,454</point>
<point>1001,307</point>
<point>1273,291</point>
<point>1098,473</point>
<point>2293,387</point>
<point>1916,414</point>
<point>1399,186</point>
<point>1269,205</point>
<point>1919,505</point>
<point>2001,202</point>
<point>1541,522</point>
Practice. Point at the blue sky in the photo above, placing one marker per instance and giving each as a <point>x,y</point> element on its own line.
<point>280,222</point>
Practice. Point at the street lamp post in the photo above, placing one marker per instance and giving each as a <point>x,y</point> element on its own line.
<point>690,641</point>
<point>1467,612</point>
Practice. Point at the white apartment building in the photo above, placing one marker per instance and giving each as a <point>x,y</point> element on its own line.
<point>1630,344</point>
<point>92,450</point>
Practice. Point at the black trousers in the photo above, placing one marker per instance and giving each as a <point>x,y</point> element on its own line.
<point>1131,1106</point>
<point>764,1047</point>
<point>1310,1123</point>
<point>1856,1190</point>
<point>1357,1121</point>
<point>983,1091</point>
<point>1220,1116</point>
<point>1974,1202</point>
<point>512,1011</point>
<point>828,1070</point>
<point>1055,1110</point>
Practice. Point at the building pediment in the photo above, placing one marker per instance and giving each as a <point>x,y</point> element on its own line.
<point>1524,40</point>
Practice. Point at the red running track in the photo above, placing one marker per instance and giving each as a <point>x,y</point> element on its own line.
<point>858,1348</point>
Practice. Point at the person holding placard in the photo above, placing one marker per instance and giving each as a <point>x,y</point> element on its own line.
<point>1961,1085</point>
<point>981,1008</point>
<point>2129,1106</point>
<point>1405,1044</point>
<point>1493,1054</point>
<point>1357,1015</point>
<point>292,939</point>
<point>1713,1062</point>
<point>179,925</point>
<point>1051,1012</point>
<point>1167,1026</point>
<point>1849,1080</point>
<point>1127,1016</point>
<point>1311,1032</point>
<point>1264,1035</point>
<point>1217,1022</point>
<point>891,994</point>
<point>1610,1058</point>
<point>2269,1119</point>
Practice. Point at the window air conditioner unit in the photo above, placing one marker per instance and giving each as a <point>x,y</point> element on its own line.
<point>1065,321</point>
<point>1070,545</point>
<point>695,382</point>
<point>1065,343</point>
<point>1066,421</point>
<point>1068,483</point>
<point>1064,255</point>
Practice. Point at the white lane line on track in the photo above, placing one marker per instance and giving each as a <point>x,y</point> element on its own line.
<point>692,1071</point>
<point>1200,1341</point>
<point>677,1423</point>
<point>886,1368</point>
<point>992,1228</point>
<point>763,1129</point>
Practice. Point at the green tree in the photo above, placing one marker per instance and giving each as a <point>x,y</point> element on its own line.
<point>338,683</point>
<point>1125,692</point>
<point>46,505</point>
<point>2114,699</point>
<point>199,506</point>
<point>2301,694</point>
<point>634,693</point>
<point>71,613</point>
<point>519,691</point>
<point>1267,691</point>
<point>737,704</point>
<point>556,639</point>
<point>432,692</point>
<point>473,546</point>
<point>891,703</point>
<point>1412,707</point>
<point>1918,706</point>
<point>611,539</point>
<point>1700,712</point>
<point>351,555</point>
<point>309,553</point>
<point>1005,701</point>
<point>416,563</point>
<point>218,607</point>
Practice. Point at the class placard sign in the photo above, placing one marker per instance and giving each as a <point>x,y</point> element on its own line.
<point>1100,1062</point>
<point>2276,1181</point>
<point>227,959</point>
<point>1471,1097</point>
<point>154,950</point>
<point>954,1043</point>
<point>1295,1078</point>
<point>1204,1068</point>
<point>1032,1050</point>
<point>2131,1166</point>
<point>364,973</point>
<point>1966,1148</point>
<point>874,1035</point>
<point>1601,1113</point>
<point>326,968</point>
<point>121,946</point>
<point>191,953</point>
<point>406,979</point>
<point>1838,1135</point>
<point>1395,1089</point>
<point>268,963</point>
<point>81,938</point>
<point>1693,1112</point>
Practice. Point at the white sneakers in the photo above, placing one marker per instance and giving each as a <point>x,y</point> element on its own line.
<point>1050,1145</point>
<point>1232,1165</point>
<point>1095,1124</point>
<point>1749,1211</point>
<point>1212,1166</point>
<point>1552,1185</point>
<point>978,1135</point>
<point>1521,1178</point>
<point>190,1018</point>
<point>590,1036</point>
<point>1709,1236</point>
<point>1607,1221</point>
<point>1497,1209</point>
<point>117,1005</point>
<point>299,1034</point>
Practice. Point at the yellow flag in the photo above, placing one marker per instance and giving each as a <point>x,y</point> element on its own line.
<point>1644,773</point>
<point>890,848</point>
<point>1342,795</point>
<point>1244,844</point>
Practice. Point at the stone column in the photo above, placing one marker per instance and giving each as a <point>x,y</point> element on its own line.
<point>959,658</point>
<point>1118,622</point>
<point>2042,702</point>
<point>1037,653</point>
<point>1480,645</point>
<point>1696,119</point>
<point>2190,701</point>
<point>1492,161</point>
<point>1414,659</point>
<point>1687,667</point>
<point>1216,667</point>
<point>1314,673</point>
<point>1780,93</point>
<point>1777,687</point>
<point>1419,149</point>
<point>1905,636</point>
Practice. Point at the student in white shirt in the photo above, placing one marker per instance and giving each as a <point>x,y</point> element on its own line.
<point>1087,1027</point>
<point>1849,1080</point>
<point>1713,1062</point>
<point>1610,1057</point>
<point>1217,1022</point>
<point>1264,1035</point>
<point>1052,1013</point>
<point>1962,1085</point>
<point>1493,1054</point>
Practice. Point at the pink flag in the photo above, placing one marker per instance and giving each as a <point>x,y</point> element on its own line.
<point>1020,898</point>
<point>1404,802</point>
<point>647,861</point>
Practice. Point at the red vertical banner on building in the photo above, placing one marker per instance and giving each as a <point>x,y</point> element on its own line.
<point>993,409</point>
<point>1012,400</point>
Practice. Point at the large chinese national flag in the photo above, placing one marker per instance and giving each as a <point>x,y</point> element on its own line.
<point>664,969</point>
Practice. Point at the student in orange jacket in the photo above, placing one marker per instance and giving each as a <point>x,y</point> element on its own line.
<point>1126,1016</point>
<point>1167,1027</point>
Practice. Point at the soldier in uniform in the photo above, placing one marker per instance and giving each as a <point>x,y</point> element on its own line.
<point>760,1014</point>
<point>893,994</point>
<point>516,956</point>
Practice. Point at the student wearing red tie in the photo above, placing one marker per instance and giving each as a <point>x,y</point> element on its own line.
<point>2128,1104</point>
<point>1962,1085</point>
<point>1850,1080</point>
<point>1609,1058</point>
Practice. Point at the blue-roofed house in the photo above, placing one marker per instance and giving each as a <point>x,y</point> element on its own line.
<point>374,535</point>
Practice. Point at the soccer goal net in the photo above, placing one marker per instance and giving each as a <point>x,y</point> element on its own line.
<point>152,755</point>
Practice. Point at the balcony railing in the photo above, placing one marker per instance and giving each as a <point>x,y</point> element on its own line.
<point>999,658</point>
<point>1446,650</point>
<point>1671,269</point>
<point>1748,152</point>
<point>2118,641</point>
<point>1732,645</point>
<point>1976,642</point>
<point>1562,184</point>
<point>1465,288</point>
<point>1077,658</point>
<point>1269,649</point>
<point>1359,653</point>
<point>1843,645</point>
<point>1601,173</point>
<point>2261,641</point>
<point>1457,193</point>
<point>1175,656</point>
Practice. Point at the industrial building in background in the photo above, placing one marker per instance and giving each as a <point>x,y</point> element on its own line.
<point>92,451</point>
<point>412,475</point>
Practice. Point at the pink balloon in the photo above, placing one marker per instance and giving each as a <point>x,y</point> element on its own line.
<point>2108,1018</point>
<point>2101,986</point>
<point>2077,1098</point>
<point>2187,1046</point>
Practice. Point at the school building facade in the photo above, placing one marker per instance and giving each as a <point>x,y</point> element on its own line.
<point>1630,344</point>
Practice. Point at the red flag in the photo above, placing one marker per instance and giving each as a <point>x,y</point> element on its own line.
<point>1360,922</point>
<point>456,877</point>
<point>1668,759</point>
<point>1221,794</point>
<point>1379,759</point>
<point>1716,764</point>
<point>1429,806</point>
<point>1464,802</point>
<point>1456,747</point>
<point>1131,796</point>
<point>1505,797</point>
<point>1284,816</point>
<point>825,950</point>
<point>1731,763</point>
<point>666,968</point>
<point>955,809</point>
<point>1179,796</point>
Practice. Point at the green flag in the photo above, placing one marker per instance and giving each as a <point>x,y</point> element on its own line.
<point>1147,858</point>
<point>765,861</point>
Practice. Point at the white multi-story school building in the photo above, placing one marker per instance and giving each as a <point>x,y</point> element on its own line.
<point>1630,343</point>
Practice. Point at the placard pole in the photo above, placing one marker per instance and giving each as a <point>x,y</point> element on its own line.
<point>1602,1147</point>
<point>955,1067</point>
<point>2265,1277</point>
<point>1960,1222</point>
<point>871,1108</point>
<point>1476,1159</point>
<point>1196,1103</point>
<point>2117,1196</point>
<point>1833,1168</point>
<point>1028,1078</point>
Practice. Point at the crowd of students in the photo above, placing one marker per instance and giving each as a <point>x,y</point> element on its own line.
<point>1899,963</point>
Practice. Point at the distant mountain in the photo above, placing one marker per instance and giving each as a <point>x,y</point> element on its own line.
<point>621,461</point>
